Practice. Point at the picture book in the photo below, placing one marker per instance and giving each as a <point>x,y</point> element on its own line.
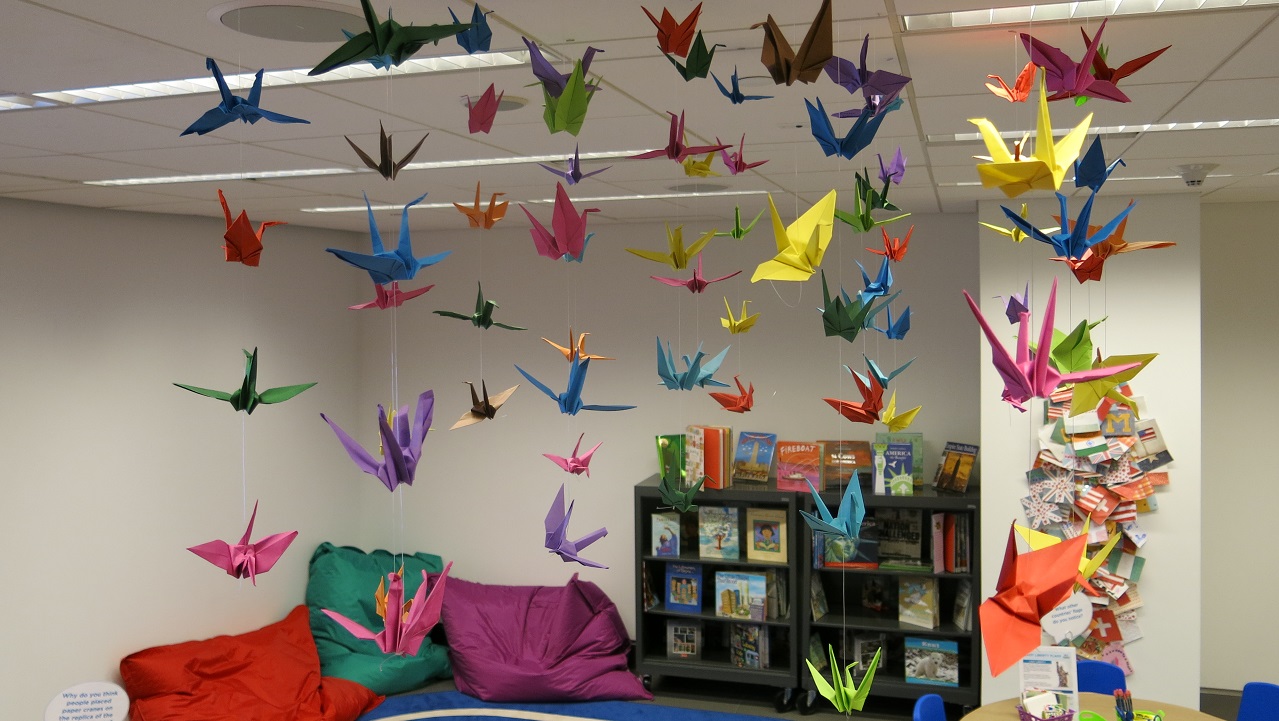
<point>938,525</point>
<point>741,595</point>
<point>716,456</point>
<point>797,462</point>
<point>666,533</point>
<point>932,661</point>
<point>766,534</point>
<point>748,645</point>
<point>838,552</point>
<point>717,532</point>
<point>956,467</point>
<point>817,597</point>
<point>683,638</point>
<point>900,538</point>
<point>650,596</point>
<point>817,652</point>
<point>863,652</point>
<point>916,441</point>
<point>917,601</point>
<point>892,469</point>
<point>874,592</point>
<point>754,457</point>
<point>694,451</point>
<point>842,459</point>
<point>684,587</point>
<point>670,458</point>
<point>778,594</point>
<point>963,613</point>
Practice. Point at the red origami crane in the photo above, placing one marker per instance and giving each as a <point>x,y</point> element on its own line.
<point>736,162</point>
<point>894,248</point>
<point>1102,71</point>
<point>866,411</point>
<point>243,244</point>
<point>484,111</point>
<point>1021,86</point>
<point>1089,265</point>
<point>392,298</point>
<point>405,629</point>
<point>675,37</point>
<point>676,149</point>
<point>697,283</point>
<point>737,402</point>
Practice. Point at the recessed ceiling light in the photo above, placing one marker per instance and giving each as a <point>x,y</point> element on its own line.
<point>1087,10</point>
<point>507,104</point>
<point>299,21</point>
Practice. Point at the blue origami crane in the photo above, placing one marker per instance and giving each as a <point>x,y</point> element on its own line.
<point>861,134</point>
<point>878,374</point>
<point>233,107</point>
<point>574,174</point>
<point>1074,243</point>
<point>878,287</point>
<point>383,266</point>
<point>570,401</point>
<point>897,329</point>
<point>556,524</point>
<point>736,94</point>
<point>1091,170</point>
<point>848,522</point>
<point>697,373</point>
<point>479,36</point>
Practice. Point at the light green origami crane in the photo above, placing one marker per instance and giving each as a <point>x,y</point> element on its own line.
<point>844,695</point>
<point>677,256</point>
<point>247,397</point>
<point>738,232</point>
<point>568,111</point>
<point>483,315</point>
<point>1072,352</point>
<point>1086,396</point>
<point>672,496</point>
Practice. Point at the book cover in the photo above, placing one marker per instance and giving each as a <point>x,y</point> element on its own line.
<point>666,533</point>
<point>963,614</point>
<point>684,587</point>
<point>841,461</point>
<point>917,602</point>
<point>683,638</point>
<point>817,652</point>
<point>754,457</point>
<point>767,532</point>
<point>778,594</point>
<point>898,469</point>
<point>865,645</point>
<point>670,458</point>
<point>900,537</point>
<point>934,662</point>
<point>916,441</point>
<point>956,467</point>
<point>716,446</point>
<point>651,600</point>
<point>741,595</point>
<point>838,552</point>
<point>694,455</point>
<point>874,593</point>
<point>817,597</point>
<point>939,542</point>
<point>798,462</point>
<point>717,531</point>
<point>748,645</point>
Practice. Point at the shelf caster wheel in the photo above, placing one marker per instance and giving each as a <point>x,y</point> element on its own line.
<point>786,699</point>
<point>808,703</point>
<point>647,680</point>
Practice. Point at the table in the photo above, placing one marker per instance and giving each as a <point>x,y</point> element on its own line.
<point>1006,710</point>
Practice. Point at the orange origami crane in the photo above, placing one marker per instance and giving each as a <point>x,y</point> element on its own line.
<point>243,244</point>
<point>894,248</point>
<point>576,352</point>
<point>1089,266</point>
<point>1021,86</point>
<point>737,402</point>
<point>675,37</point>
<point>484,218</point>
<point>866,411</point>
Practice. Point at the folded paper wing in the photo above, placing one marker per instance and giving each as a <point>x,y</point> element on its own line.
<point>787,65</point>
<point>843,694</point>
<point>801,245</point>
<point>245,559</point>
<point>403,632</point>
<point>557,542</point>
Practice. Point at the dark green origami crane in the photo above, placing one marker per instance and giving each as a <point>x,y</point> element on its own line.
<point>865,200</point>
<point>247,397</point>
<point>681,501</point>
<point>385,43</point>
<point>699,59</point>
<point>483,315</point>
<point>845,317</point>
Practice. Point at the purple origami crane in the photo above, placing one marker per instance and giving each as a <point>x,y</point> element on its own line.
<point>557,529</point>
<point>574,174</point>
<point>575,464</point>
<point>878,88</point>
<point>552,80</point>
<point>401,448</point>
<point>244,558</point>
<point>896,170</point>
<point>1016,305</point>
<point>406,624</point>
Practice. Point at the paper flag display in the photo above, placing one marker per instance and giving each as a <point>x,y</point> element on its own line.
<point>1102,71</point>
<point>1067,78</point>
<point>392,298</point>
<point>483,315</point>
<point>234,107</point>
<point>680,500</point>
<point>1090,265</point>
<point>738,232</point>
<point>401,446</point>
<point>879,88</point>
<point>574,352</point>
<point>736,96</point>
<point>574,174</point>
<point>385,165</point>
<point>674,37</point>
<point>557,520</point>
<point>696,373</point>
<point>675,148</point>
<point>1020,90</point>
<point>741,324</point>
<point>482,113</point>
<point>677,256</point>
<point>244,559</point>
<point>1015,233</point>
<point>477,38</point>
<point>857,138</point>
<point>569,237</point>
<point>736,162</point>
<point>897,422</point>
<point>867,409</point>
<point>570,401</point>
<point>844,694</point>
<point>384,266</point>
<point>697,283</point>
<point>243,243</point>
<point>787,65</point>
<point>576,464</point>
<point>847,522</point>
<point>406,624</point>
<point>1080,236</point>
<point>699,59</point>
<point>246,398</point>
<point>481,218</point>
<point>385,43</point>
<point>800,245</point>
<point>483,409</point>
<point>739,402</point>
<point>894,248</point>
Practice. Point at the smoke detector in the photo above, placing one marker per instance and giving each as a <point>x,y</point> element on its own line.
<point>1195,173</point>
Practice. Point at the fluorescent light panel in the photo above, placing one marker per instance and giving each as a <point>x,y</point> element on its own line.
<point>1123,129</point>
<point>1050,12</point>
<point>540,201</point>
<point>1111,179</point>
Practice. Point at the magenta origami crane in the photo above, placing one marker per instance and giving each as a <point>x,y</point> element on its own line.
<point>569,237</point>
<point>244,558</point>
<point>1030,375</point>
<point>575,464</point>
<point>407,624</point>
<point>483,111</point>
<point>401,448</point>
<point>1067,78</point>
<point>697,283</point>
<point>736,162</point>
<point>392,298</point>
<point>675,148</point>
<point>557,542</point>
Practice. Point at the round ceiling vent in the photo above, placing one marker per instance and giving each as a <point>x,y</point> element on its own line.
<point>509,102</point>
<point>299,21</point>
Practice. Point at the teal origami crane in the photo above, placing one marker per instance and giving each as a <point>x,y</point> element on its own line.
<point>695,374</point>
<point>845,696</point>
<point>876,288</point>
<point>845,317</point>
<point>865,200</point>
<point>570,401</point>
<point>672,496</point>
<point>483,315</point>
<point>847,523</point>
<point>247,397</point>
<point>738,232</point>
<point>385,43</point>
<point>234,107</point>
<point>878,374</point>
<point>384,266</point>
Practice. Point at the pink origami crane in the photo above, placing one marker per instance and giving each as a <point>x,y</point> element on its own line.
<point>697,283</point>
<point>407,624</point>
<point>393,298</point>
<point>569,238</point>
<point>676,149</point>
<point>736,162</point>
<point>1030,375</point>
<point>575,464</point>
<point>244,558</point>
<point>484,111</point>
<point>401,449</point>
<point>1067,78</point>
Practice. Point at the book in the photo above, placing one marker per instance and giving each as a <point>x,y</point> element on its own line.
<point>900,538</point>
<point>748,645</point>
<point>741,595</point>
<point>874,596</point>
<point>778,605</point>
<point>917,602</point>
<point>956,467</point>
<point>892,469</point>
<point>716,452</point>
<point>933,662</point>
<point>863,652</point>
<point>767,532</point>
<point>939,542</point>
<point>798,464</point>
<point>650,597</point>
<point>717,532</point>
<point>916,441</point>
<point>683,638</point>
<point>817,652</point>
<point>670,459</point>
<point>754,457</point>
<point>817,597</point>
<point>963,613</point>
<point>684,587</point>
<point>694,455</point>
<point>665,534</point>
<point>841,460</point>
<point>838,552</point>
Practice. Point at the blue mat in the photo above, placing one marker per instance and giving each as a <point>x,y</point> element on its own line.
<point>458,706</point>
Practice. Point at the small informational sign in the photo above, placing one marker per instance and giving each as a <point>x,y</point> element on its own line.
<point>1069,620</point>
<point>91,701</point>
<point>1050,670</point>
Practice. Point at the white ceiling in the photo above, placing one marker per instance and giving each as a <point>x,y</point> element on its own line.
<point>1222,66</point>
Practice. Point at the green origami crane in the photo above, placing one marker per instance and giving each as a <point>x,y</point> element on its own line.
<point>247,397</point>
<point>845,317</point>
<point>865,200</point>
<point>483,315</point>
<point>672,496</point>
<point>568,111</point>
<point>699,59</point>
<point>1087,395</point>
<point>385,43</point>
<point>738,232</point>
<point>844,695</point>
<point>1072,352</point>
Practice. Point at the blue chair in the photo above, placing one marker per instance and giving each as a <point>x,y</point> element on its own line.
<point>1260,702</point>
<point>1101,677</point>
<point>929,707</point>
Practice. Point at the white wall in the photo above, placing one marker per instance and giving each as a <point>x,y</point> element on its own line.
<point>1151,299</point>
<point>1239,392</point>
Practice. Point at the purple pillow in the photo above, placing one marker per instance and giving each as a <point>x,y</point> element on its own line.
<point>538,643</point>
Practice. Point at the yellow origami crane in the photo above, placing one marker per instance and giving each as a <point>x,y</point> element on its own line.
<point>1087,566</point>
<point>678,256</point>
<point>576,352</point>
<point>897,423</point>
<point>1044,169</point>
<point>1017,234</point>
<point>801,245</point>
<point>695,168</point>
<point>1086,396</point>
<point>843,694</point>
<point>741,324</point>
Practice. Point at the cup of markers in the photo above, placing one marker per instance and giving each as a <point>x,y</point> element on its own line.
<point>1123,705</point>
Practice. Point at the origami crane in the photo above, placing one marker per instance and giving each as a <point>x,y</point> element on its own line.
<point>1091,170</point>
<point>738,232</point>
<point>736,96</point>
<point>385,43</point>
<point>247,398</point>
<point>695,168</point>
<point>697,283</point>
<point>844,317</point>
<point>696,373</point>
<point>894,248</point>
<point>844,694</point>
<point>1087,566</point>
<point>243,243</point>
<point>1080,237</point>
<point>233,107</point>
<point>568,239</point>
<point>557,520</point>
<point>736,162</point>
<point>246,559</point>
<point>570,401</point>
<point>699,59</point>
<point>801,245</point>
<point>1087,395</point>
<point>483,315</point>
<point>385,266</point>
<point>1089,266</point>
<point>896,170</point>
<point>897,422</point>
<point>677,255</point>
<point>878,373</point>
<point>575,463</point>
<point>401,446</point>
<point>574,352</point>
<point>392,298</point>
<point>1065,77</point>
<point>1015,233</point>
<point>857,138</point>
<point>480,115</point>
<point>880,286</point>
<point>867,409</point>
<point>879,88</point>
<point>386,166</point>
<point>1020,90</point>
<point>895,329</point>
<point>675,148</point>
<point>672,496</point>
<point>477,38</point>
<point>1044,170</point>
<point>1030,585</point>
<point>554,82</point>
<point>1016,305</point>
<point>847,522</point>
<point>1029,375</point>
<point>574,174</point>
<point>481,218</point>
<point>1072,351</point>
<point>406,629</point>
<point>483,409</point>
<point>674,37</point>
<point>741,324</point>
<point>787,65</point>
<point>739,402</point>
<point>567,111</point>
<point>1102,71</point>
<point>865,200</point>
